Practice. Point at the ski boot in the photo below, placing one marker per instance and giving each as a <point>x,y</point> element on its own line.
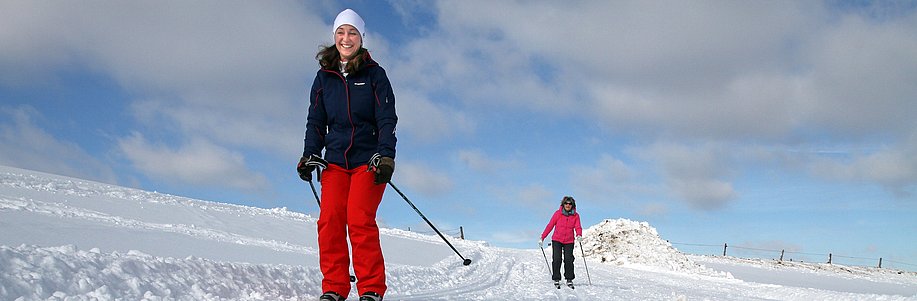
<point>331,296</point>
<point>370,296</point>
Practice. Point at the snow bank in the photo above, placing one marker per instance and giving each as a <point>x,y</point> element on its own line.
<point>66,273</point>
<point>627,242</point>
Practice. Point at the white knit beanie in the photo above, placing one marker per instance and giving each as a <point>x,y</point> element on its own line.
<point>350,17</point>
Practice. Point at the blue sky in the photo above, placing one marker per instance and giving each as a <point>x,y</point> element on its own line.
<point>767,124</point>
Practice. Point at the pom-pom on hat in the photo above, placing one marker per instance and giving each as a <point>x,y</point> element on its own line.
<point>350,17</point>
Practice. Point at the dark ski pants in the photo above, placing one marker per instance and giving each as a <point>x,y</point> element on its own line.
<point>348,210</point>
<point>567,250</point>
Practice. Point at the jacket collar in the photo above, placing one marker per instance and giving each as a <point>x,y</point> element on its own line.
<point>567,213</point>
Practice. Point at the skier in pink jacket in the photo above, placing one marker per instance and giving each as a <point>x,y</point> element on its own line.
<point>567,229</point>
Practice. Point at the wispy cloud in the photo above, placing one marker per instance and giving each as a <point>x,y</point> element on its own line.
<point>610,181</point>
<point>23,143</point>
<point>893,168</point>
<point>422,178</point>
<point>699,175</point>
<point>534,197</point>
<point>197,162</point>
<point>428,120</point>
<point>479,161</point>
<point>233,73</point>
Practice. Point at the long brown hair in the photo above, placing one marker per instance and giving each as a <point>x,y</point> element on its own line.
<point>329,58</point>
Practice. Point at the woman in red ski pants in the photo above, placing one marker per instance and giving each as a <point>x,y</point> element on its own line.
<point>352,117</point>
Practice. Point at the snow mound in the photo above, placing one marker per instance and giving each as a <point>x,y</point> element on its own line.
<point>67,273</point>
<point>627,242</point>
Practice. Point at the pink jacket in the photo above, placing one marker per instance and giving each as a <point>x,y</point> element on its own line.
<point>564,226</point>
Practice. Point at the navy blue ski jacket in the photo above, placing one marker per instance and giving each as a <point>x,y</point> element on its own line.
<point>352,118</point>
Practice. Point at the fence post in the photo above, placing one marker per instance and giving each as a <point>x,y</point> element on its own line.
<point>880,262</point>
<point>461,232</point>
<point>829,258</point>
<point>724,249</point>
<point>781,255</point>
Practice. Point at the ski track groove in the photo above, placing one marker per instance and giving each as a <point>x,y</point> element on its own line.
<point>501,271</point>
<point>461,290</point>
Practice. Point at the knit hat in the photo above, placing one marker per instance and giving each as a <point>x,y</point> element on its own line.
<point>350,17</point>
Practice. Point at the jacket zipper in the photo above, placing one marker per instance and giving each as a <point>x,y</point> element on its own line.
<point>349,117</point>
<point>353,128</point>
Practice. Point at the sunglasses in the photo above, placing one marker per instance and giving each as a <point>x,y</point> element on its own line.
<point>568,203</point>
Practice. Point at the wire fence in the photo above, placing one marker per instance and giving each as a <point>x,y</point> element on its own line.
<point>749,252</point>
<point>783,255</point>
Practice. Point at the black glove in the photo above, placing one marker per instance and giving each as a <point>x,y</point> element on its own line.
<point>383,167</point>
<point>307,164</point>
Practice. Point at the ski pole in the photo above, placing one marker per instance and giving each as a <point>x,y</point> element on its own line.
<point>315,194</point>
<point>318,174</point>
<point>546,260</point>
<point>584,261</point>
<point>464,261</point>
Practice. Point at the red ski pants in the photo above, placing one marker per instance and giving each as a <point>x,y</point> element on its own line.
<point>348,209</point>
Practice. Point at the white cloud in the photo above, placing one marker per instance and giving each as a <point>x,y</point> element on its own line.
<point>536,194</point>
<point>861,81</point>
<point>422,179</point>
<point>894,168</point>
<point>851,79</point>
<point>430,121</point>
<point>480,161</point>
<point>534,197</point>
<point>237,73</point>
<point>698,175</point>
<point>609,181</point>
<point>232,128</point>
<point>691,70</point>
<point>634,37</point>
<point>25,144</point>
<point>198,163</point>
<point>680,48</point>
<point>704,194</point>
<point>458,63</point>
<point>654,209</point>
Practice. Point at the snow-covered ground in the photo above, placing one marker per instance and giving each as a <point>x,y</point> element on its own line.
<point>70,239</point>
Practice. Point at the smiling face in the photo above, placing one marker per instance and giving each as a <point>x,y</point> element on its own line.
<point>348,41</point>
